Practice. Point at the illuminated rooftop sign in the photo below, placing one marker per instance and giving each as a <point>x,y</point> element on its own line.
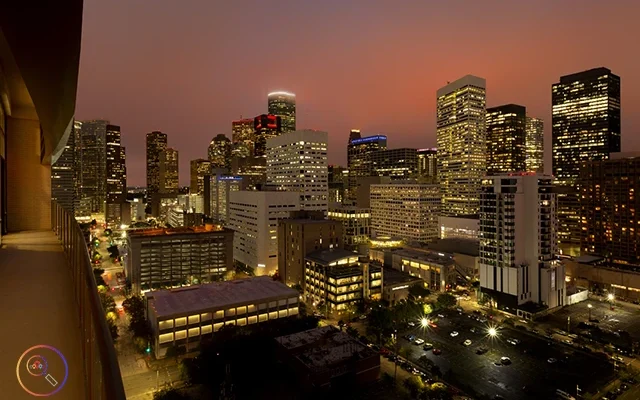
<point>369,139</point>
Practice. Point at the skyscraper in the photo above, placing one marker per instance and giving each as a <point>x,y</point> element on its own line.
<point>199,168</point>
<point>243,137</point>
<point>93,166</point>
<point>169,171</point>
<point>283,104</point>
<point>156,144</point>
<point>116,175</point>
<point>359,161</point>
<point>266,126</point>
<point>609,209</point>
<point>297,162</point>
<point>220,152</point>
<point>518,243</point>
<point>534,145</point>
<point>461,138</point>
<point>585,127</point>
<point>506,139</point>
<point>397,164</point>
<point>63,174</point>
<point>428,165</point>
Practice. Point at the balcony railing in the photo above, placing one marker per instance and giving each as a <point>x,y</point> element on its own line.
<point>101,371</point>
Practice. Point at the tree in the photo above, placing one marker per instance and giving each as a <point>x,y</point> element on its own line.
<point>108,304</point>
<point>113,251</point>
<point>113,328</point>
<point>353,332</point>
<point>414,385</point>
<point>380,322</point>
<point>175,352</point>
<point>446,300</point>
<point>134,306</point>
<point>427,309</point>
<point>341,324</point>
<point>405,352</point>
<point>417,291</point>
<point>108,232</point>
<point>169,394</point>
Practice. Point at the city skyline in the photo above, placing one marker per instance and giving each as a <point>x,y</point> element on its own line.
<point>334,92</point>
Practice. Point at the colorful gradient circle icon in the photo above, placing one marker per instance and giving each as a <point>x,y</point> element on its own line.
<point>39,370</point>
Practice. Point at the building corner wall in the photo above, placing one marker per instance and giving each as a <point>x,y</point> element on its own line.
<point>28,180</point>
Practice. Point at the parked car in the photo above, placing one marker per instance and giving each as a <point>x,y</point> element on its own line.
<point>418,342</point>
<point>481,350</point>
<point>552,360</point>
<point>436,351</point>
<point>467,343</point>
<point>454,333</point>
<point>427,346</point>
<point>505,360</point>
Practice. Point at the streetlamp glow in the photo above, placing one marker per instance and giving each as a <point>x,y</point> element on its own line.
<point>590,307</point>
<point>492,332</point>
<point>610,297</point>
<point>424,322</point>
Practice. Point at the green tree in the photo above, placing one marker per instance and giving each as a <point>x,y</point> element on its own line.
<point>108,304</point>
<point>418,291</point>
<point>446,300</point>
<point>427,309</point>
<point>175,352</point>
<point>380,322</point>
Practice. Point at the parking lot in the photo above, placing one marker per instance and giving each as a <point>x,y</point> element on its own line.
<point>530,374</point>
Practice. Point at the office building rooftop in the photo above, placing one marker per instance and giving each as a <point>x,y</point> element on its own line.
<point>195,299</point>
<point>176,231</point>
<point>331,255</point>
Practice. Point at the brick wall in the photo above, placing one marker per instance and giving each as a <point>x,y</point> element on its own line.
<point>28,181</point>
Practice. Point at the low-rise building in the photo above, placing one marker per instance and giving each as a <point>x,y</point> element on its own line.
<point>438,271</point>
<point>325,356</point>
<point>185,316</point>
<point>175,257</point>
<point>396,285</point>
<point>339,279</point>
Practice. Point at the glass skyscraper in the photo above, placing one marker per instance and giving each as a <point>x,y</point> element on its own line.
<point>534,144</point>
<point>506,139</point>
<point>585,127</point>
<point>283,105</point>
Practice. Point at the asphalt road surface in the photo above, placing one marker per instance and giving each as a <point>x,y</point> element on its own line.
<point>529,368</point>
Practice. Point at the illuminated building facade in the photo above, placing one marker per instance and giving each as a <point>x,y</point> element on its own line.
<point>220,152</point>
<point>199,169</point>
<point>356,224</point>
<point>242,137</point>
<point>283,104</point>
<point>461,140</point>
<point>534,145</point>
<point>506,139</point>
<point>610,209</point>
<point>93,166</point>
<point>156,144</point>
<point>266,126</point>
<point>116,175</point>
<point>221,188</point>
<point>359,161</point>
<point>585,127</point>
<point>254,216</point>
<point>64,182</point>
<point>173,257</point>
<point>169,171</point>
<point>341,279</point>
<point>397,164</point>
<point>297,162</point>
<point>406,211</point>
<point>518,243</point>
<point>338,177</point>
<point>435,269</point>
<point>428,165</point>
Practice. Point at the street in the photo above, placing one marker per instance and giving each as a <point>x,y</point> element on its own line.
<point>529,360</point>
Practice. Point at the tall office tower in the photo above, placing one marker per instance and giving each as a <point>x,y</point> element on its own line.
<point>169,171</point>
<point>405,211</point>
<point>518,243</point>
<point>254,216</point>
<point>116,175</point>
<point>199,169</point>
<point>283,104</point>
<point>610,209</point>
<point>243,137</point>
<point>462,157</point>
<point>534,145</point>
<point>93,178</point>
<point>63,175</point>
<point>586,127</point>
<point>79,213</point>
<point>297,162</point>
<point>359,161</point>
<point>397,164</point>
<point>428,165</point>
<point>266,126</point>
<point>506,139</point>
<point>356,224</point>
<point>338,176</point>
<point>297,237</point>
<point>156,144</point>
<point>220,152</point>
<point>221,188</point>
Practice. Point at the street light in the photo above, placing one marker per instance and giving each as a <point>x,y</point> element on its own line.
<point>611,298</point>
<point>492,332</point>
<point>589,306</point>
<point>424,322</point>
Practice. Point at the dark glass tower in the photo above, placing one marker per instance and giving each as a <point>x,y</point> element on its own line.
<point>116,175</point>
<point>359,160</point>
<point>63,174</point>
<point>156,144</point>
<point>283,104</point>
<point>585,127</point>
<point>506,139</point>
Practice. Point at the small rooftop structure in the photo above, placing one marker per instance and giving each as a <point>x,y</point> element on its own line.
<point>328,256</point>
<point>321,348</point>
<point>428,256</point>
<point>392,277</point>
<point>217,295</point>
